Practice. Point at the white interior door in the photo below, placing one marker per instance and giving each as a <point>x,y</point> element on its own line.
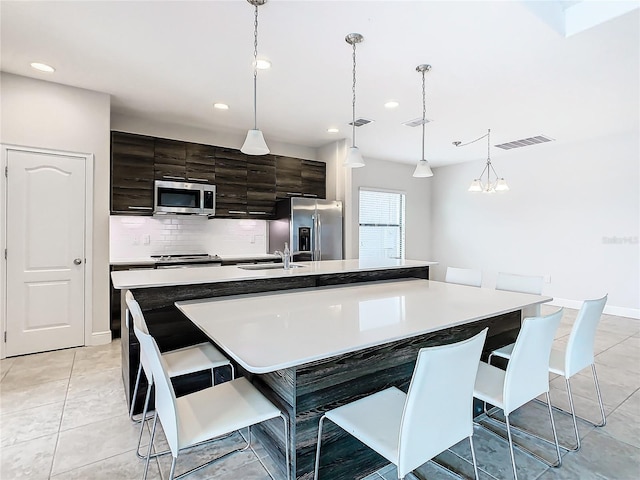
<point>45,251</point>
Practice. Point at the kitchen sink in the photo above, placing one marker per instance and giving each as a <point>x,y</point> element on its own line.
<point>268,266</point>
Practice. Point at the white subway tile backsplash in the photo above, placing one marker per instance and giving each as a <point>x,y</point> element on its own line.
<point>175,234</point>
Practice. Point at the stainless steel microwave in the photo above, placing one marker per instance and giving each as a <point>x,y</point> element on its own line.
<point>184,198</point>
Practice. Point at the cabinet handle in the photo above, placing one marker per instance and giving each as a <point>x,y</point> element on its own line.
<point>197,179</point>
<point>238,211</point>
<point>172,177</point>
<point>294,193</point>
<point>139,208</point>
<point>310,195</point>
<point>257,213</point>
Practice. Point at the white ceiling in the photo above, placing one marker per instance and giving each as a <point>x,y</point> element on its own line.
<point>499,65</point>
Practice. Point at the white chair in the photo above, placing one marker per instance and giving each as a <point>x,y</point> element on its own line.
<point>522,284</point>
<point>577,356</point>
<point>183,361</point>
<point>203,415</point>
<point>526,377</point>
<point>464,276</point>
<point>436,413</point>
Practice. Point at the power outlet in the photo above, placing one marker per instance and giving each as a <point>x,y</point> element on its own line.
<point>547,278</point>
<point>146,239</point>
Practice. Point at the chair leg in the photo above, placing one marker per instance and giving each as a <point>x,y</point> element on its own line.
<point>315,474</point>
<point>286,445</point>
<point>142,422</point>
<point>513,457</point>
<point>555,434</point>
<point>595,381</point>
<point>573,415</point>
<point>473,457</point>
<point>135,392</point>
<point>153,433</point>
<point>173,468</point>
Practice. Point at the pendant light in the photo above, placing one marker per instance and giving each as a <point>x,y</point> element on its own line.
<point>354,157</point>
<point>478,185</point>
<point>422,168</point>
<point>254,144</point>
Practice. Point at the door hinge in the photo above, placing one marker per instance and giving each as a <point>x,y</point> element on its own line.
<point>5,336</point>
<point>5,253</point>
<point>6,171</point>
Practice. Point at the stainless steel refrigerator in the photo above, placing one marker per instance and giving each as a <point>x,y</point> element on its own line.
<point>312,227</point>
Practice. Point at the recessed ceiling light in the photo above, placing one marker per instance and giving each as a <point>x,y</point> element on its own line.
<point>391,104</point>
<point>43,67</point>
<point>262,64</point>
<point>221,106</point>
<point>332,130</point>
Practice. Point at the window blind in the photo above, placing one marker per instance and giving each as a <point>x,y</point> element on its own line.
<point>381,219</point>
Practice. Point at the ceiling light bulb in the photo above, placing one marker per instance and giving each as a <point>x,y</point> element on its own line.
<point>221,106</point>
<point>262,64</point>
<point>332,130</point>
<point>43,67</point>
<point>391,104</point>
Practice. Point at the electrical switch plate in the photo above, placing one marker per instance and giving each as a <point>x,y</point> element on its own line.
<point>146,239</point>
<point>547,278</point>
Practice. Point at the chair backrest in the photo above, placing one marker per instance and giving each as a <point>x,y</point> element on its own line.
<point>520,283</point>
<point>139,322</point>
<point>464,276</point>
<point>165,397</point>
<point>579,353</point>
<point>439,406</point>
<point>527,374</point>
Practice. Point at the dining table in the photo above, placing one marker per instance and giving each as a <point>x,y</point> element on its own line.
<point>312,350</point>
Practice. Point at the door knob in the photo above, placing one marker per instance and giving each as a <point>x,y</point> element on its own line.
<point>77,261</point>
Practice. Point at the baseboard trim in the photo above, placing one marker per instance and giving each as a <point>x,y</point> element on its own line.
<point>101,338</point>
<point>608,309</point>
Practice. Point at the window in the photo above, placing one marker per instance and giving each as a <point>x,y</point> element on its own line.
<point>381,224</point>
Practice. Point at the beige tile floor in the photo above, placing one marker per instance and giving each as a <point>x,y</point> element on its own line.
<point>63,416</point>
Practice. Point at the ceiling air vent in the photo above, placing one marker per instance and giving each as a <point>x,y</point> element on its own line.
<point>416,122</point>
<point>360,122</point>
<point>525,142</point>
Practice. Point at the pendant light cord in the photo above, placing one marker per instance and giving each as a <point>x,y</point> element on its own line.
<point>424,112</point>
<point>353,104</point>
<point>255,70</point>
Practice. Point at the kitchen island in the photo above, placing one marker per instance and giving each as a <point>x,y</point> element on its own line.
<point>316,349</point>
<point>156,290</point>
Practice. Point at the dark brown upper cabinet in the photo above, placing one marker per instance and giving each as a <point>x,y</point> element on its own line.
<point>247,186</point>
<point>261,186</point>
<point>201,163</point>
<point>231,183</point>
<point>132,163</point>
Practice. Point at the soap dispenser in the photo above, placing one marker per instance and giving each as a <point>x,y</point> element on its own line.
<point>286,256</point>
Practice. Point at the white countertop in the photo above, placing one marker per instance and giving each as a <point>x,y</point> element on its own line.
<point>128,279</point>
<point>270,331</point>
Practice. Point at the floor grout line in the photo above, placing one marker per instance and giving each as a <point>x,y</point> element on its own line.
<point>64,406</point>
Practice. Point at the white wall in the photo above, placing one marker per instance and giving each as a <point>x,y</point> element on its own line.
<point>47,115</point>
<point>397,177</point>
<point>156,128</point>
<point>566,205</point>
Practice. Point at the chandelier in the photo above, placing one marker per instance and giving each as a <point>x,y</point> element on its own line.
<point>482,183</point>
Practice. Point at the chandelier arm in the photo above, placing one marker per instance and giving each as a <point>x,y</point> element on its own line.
<point>472,141</point>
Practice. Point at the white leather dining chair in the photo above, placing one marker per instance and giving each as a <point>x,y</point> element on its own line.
<point>526,377</point>
<point>577,356</point>
<point>183,361</point>
<point>464,276</point>
<point>435,414</point>
<point>205,415</point>
<point>513,282</point>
